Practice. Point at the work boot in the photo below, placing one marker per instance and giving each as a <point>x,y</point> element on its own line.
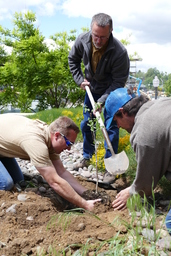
<point>108,178</point>
<point>83,163</point>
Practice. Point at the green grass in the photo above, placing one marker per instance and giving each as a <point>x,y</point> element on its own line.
<point>50,115</point>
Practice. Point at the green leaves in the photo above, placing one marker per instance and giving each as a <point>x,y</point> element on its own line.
<point>167,87</point>
<point>34,70</point>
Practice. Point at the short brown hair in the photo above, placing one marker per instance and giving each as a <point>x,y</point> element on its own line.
<point>132,106</point>
<point>63,124</point>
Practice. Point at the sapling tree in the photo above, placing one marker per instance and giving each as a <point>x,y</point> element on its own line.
<point>93,127</point>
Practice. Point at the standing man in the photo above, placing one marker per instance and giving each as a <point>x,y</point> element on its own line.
<point>40,143</point>
<point>106,69</point>
<point>150,141</point>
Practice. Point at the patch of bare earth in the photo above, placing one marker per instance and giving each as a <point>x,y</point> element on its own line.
<point>38,223</point>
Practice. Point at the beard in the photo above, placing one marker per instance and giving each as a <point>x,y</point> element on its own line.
<point>97,46</point>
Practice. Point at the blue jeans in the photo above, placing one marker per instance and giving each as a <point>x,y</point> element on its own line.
<point>88,141</point>
<point>10,173</point>
<point>168,221</point>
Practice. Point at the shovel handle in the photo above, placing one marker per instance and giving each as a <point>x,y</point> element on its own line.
<point>106,136</point>
<point>98,116</point>
<point>100,121</point>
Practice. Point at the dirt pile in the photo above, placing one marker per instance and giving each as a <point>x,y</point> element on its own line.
<point>34,223</point>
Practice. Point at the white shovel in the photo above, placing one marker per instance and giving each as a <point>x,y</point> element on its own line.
<point>117,163</point>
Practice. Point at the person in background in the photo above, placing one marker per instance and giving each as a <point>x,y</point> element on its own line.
<point>106,65</point>
<point>151,142</point>
<point>40,143</point>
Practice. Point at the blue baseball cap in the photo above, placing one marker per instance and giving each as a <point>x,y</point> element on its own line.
<point>115,101</point>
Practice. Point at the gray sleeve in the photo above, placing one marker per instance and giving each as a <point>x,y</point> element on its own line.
<point>151,165</point>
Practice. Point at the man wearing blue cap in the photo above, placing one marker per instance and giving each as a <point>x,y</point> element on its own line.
<point>151,142</point>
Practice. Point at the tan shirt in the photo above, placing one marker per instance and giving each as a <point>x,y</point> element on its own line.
<point>26,139</point>
<point>96,55</point>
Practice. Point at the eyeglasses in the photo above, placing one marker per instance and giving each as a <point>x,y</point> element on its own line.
<point>99,37</point>
<point>68,142</point>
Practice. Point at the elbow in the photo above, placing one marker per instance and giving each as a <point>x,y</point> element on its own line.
<point>55,186</point>
<point>145,191</point>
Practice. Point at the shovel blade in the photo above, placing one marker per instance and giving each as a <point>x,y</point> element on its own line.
<point>117,164</point>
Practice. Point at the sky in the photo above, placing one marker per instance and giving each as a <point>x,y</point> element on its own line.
<point>146,24</point>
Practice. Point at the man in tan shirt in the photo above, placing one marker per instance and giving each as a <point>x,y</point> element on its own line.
<point>40,143</point>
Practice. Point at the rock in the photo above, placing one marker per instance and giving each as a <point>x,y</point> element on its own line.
<point>86,174</point>
<point>35,181</point>
<point>90,168</point>
<point>162,232</point>
<point>80,227</point>
<point>2,205</point>
<point>164,243</point>
<point>22,197</point>
<point>145,222</point>
<point>29,218</point>
<point>148,234</point>
<point>11,209</point>
<point>31,189</point>
<point>42,189</point>
<point>40,179</point>
<point>2,244</point>
<point>94,175</point>
<point>69,164</point>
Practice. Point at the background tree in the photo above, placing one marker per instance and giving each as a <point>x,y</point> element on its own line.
<point>33,71</point>
<point>147,78</point>
<point>167,86</point>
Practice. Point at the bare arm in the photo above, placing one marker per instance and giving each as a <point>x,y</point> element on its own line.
<point>68,177</point>
<point>59,180</point>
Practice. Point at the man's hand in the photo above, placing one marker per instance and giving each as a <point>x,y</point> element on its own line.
<point>85,83</point>
<point>91,203</point>
<point>121,199</point>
